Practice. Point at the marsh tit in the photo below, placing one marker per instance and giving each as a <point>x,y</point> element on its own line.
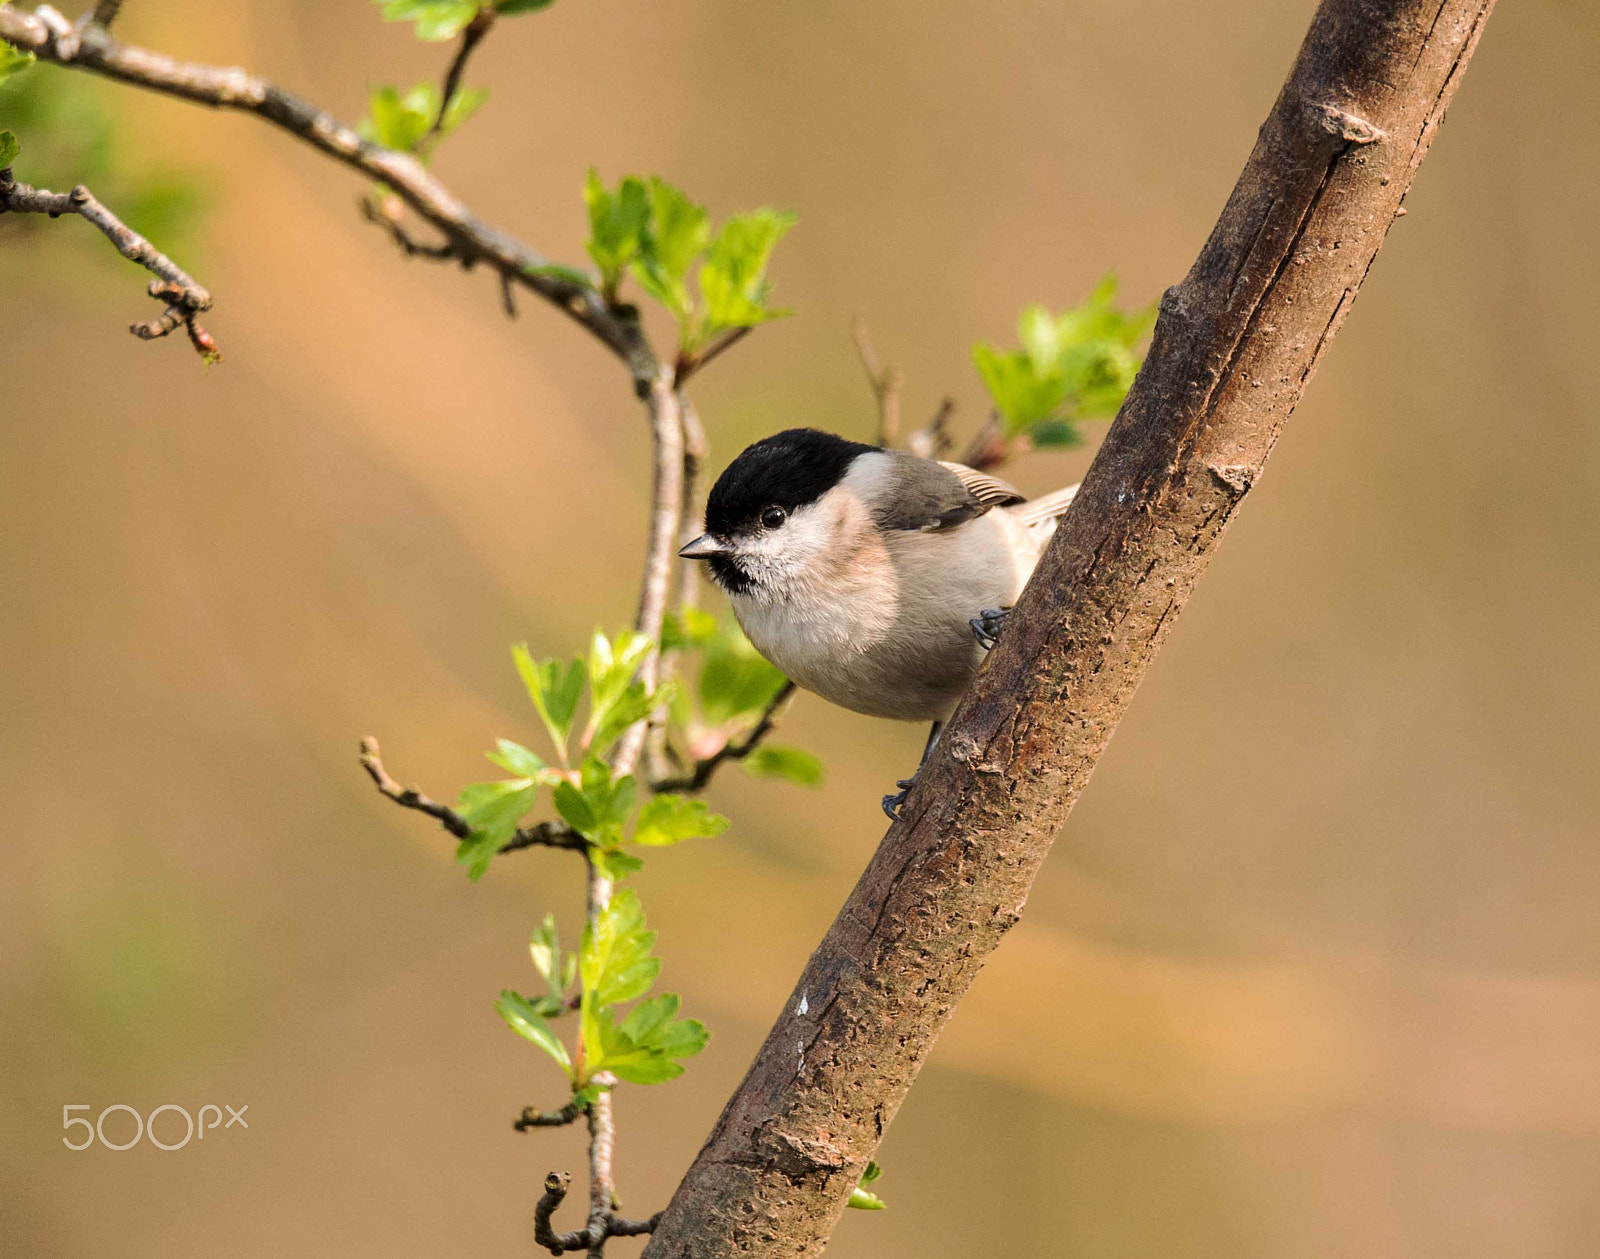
<point>873,577</point>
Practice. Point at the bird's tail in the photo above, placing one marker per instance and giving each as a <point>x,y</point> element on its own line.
<point>1047,507</point>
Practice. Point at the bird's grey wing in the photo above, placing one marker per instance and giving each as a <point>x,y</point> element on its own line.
<point>929,496</point>
<point>989,490</point>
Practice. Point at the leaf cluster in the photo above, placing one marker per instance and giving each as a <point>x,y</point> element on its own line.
<point>615,965</point>
<point>605,810</point>
<point>646,228</point>
<point>438,20</point>
<point>732,687</point>
<point>1077,365</point>
<point>403,122</point>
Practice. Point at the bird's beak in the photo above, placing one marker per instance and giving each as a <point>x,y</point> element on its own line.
<point>705,547</point>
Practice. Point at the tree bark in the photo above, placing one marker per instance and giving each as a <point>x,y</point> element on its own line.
<point>1232,351</point>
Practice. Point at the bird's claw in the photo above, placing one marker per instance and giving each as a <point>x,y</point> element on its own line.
<point>986,626</point>
<point>891,804</point>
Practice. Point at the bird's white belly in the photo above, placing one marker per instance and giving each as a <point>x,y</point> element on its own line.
<point>890,636</point>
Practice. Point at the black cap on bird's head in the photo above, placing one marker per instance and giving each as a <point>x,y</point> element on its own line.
<point>787,470</point>
<point>762,487</point>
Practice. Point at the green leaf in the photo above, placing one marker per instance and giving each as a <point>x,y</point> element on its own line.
<point>687,628</point>
<point>596,807</point>
<point>675,234</point>
<point>493,810</point>
<point>574,809</point>
<point>555,689</point>
<point>615,864</point>
<point>734,678</point>
<point>466,102</point>
<point>513,7</point>
<point>616,701</point>
<point>399,122</point>
<point>524,1018</point>
<point>649,1017</point>
<point>516,759</point>
<point>774,761</point>
<point>1021,394</point>
<point>634,704</point>
<point>1055,434</point>
<point>615,959</point>
<point>544,947</point>
<point>435,19</point>
<point>733,278</point>
<point>402,123</point>
<point>612,665</point>
<point>616,225</point>
<point>682,1038</point>
<point>1076,365</point>
<point>12,61</point>
<point>669,819</point>
<point>9,148</point>
<point>860,1199</point>
<point>644,1049</point>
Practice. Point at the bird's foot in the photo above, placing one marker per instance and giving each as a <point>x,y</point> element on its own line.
<point>986,626</point>
<point>891,804</point>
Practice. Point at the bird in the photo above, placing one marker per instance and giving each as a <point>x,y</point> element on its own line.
<point>871,576</point>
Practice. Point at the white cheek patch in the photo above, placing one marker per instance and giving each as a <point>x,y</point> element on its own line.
<point>805,546</point>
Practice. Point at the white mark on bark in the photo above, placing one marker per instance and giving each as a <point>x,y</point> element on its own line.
<point>1348,126</point>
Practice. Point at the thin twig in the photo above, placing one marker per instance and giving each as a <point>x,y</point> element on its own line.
<point>105,13</point>
<point>689,364</point>
<point>886,383</point>
<point>540,835</point>
<point>182,297</point>
<point>690,522</point>
<point>546,835</point>
<point>471,35</point>
<point>620,1227</point>
<point>531,1118</point>
<point>95,50</point>
<point>932,440</point>
<point>602,1183</point>
<point>409,245</point>
<point>988,447</point>
<point>661,547</point>
<point>555,1192</point>
<point>556,1185</point>
<point>697,778</point>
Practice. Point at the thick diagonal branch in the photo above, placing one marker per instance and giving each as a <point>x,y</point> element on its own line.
<point>183,299</point>
<point>1236,343</point>
<point>94,49</point>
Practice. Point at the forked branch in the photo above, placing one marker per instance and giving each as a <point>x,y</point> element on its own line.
<point>182,299</point>
<point>92,48</point>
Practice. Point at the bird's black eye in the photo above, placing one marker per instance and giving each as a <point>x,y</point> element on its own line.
<point>773,517</point>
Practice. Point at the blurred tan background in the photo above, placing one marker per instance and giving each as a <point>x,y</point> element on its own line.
<point>1313,971</point>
